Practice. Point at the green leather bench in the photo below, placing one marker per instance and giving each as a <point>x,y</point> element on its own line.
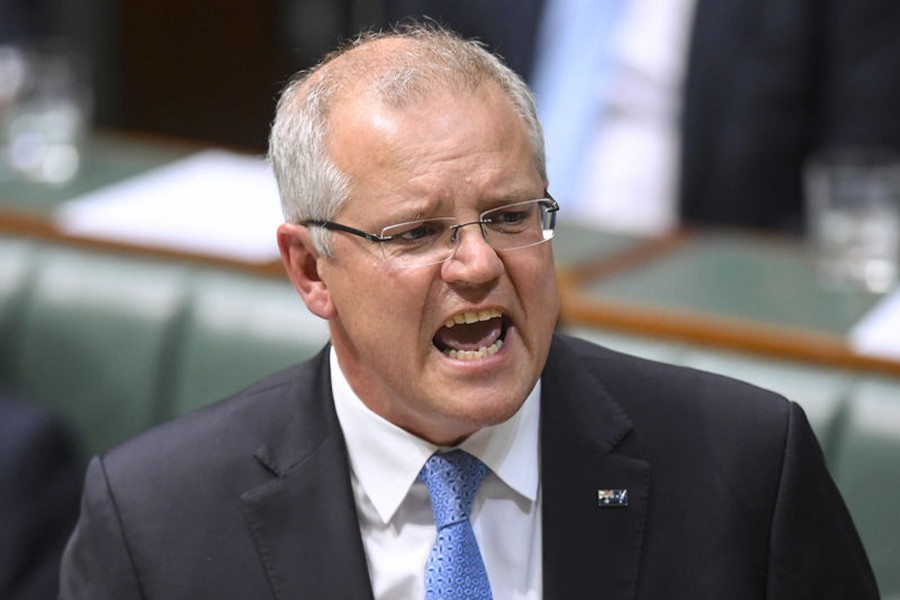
<point>118,343</point>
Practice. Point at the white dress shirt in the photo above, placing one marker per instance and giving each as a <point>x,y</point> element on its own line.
<point>394,508</point>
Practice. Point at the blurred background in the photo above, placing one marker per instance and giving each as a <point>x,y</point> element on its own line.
<point>702,113</point>
<point>198,69</point>
<point>727,172</point>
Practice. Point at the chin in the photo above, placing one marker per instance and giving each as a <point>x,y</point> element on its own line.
<point>492,409</point>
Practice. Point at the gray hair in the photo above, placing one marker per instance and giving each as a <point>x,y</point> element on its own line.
<point>432,59</point>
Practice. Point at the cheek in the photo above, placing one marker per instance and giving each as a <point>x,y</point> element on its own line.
<point>383,304</point>
<point>536,283</point>
<point>551,294</point>
<point>539,296</point>
<point>548,306</point>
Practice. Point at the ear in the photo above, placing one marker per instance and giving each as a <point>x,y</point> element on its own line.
<point>301,261</point>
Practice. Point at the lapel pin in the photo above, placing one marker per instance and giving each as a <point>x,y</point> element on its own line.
<point>612,498</point>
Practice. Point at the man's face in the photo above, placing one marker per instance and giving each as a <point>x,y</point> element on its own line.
<point>452,155</point>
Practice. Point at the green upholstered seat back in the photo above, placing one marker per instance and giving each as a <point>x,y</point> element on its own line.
<point>239,329</point>
<point>95,338</point>
<point>867,471</point>
<point>15,277</point>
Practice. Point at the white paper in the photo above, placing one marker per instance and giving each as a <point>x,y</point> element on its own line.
<point>214,202</point>
<point>878,332</point>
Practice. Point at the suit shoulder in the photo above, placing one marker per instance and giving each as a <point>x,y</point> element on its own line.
<point>684,420</point>
<point>652,388</point>
<point>231,430</point>
<point>228,415</point>
<point>610,362</point>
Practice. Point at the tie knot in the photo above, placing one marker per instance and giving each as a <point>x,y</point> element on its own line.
<point>453,479</point>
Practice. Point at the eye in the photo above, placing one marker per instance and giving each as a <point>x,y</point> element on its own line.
<point>510,219</point>
<point>509,216</point>
<point>419,232</point>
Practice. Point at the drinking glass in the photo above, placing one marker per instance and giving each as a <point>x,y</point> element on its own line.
<point>853,208</point>
<point>47,119</point>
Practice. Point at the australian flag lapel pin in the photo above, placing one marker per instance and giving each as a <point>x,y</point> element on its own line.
<point>612,498</point>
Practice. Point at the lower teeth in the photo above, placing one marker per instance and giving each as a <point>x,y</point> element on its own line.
<point>475,354</point>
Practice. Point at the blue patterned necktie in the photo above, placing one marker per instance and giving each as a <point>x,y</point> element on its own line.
<point>455,568</point>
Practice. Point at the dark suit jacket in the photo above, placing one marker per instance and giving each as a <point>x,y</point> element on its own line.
<point>251,498</point>
<point>40,483</point>
<point>767,83</point>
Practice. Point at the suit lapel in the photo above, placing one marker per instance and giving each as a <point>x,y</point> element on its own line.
<point>303,520</point>
<point>587,547</point>
<point>303,523</point>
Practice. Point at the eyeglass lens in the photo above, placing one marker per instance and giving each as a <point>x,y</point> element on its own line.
<point>505,228</point>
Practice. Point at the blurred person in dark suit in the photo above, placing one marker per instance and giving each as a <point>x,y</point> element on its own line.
<point>659,113</point>
<point>40,485</point>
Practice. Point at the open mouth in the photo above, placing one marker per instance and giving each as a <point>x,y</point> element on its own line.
<point>472,335</point>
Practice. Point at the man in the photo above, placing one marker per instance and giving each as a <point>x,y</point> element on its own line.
<point>412,176</point>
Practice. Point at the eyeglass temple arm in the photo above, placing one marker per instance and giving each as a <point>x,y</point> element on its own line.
<point>332,226</point>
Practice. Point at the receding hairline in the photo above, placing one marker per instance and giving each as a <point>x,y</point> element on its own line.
<point>395,67</point>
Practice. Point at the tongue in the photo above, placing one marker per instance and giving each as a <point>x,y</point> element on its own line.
<point>469,337</point>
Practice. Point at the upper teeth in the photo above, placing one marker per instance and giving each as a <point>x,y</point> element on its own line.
<point>473,317</point>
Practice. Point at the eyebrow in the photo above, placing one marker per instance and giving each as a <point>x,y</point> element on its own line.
<point>421,208</point>
<point>418,209</point>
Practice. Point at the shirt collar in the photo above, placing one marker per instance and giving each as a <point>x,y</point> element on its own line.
<point>509,449</point>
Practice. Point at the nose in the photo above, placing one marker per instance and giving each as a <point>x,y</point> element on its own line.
<point>474,260</point>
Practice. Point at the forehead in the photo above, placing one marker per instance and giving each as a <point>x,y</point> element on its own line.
<point>433,145</point>
<point>404,74</point>
<point>367,109</point>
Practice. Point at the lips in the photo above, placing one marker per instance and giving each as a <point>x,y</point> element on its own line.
<point>472,335</point>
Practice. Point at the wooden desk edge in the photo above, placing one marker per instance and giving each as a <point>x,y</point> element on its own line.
<point>738,335</point>
<point>40,227</point>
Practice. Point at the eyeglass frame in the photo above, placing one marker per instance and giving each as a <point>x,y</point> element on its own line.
<point>481,222</point>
